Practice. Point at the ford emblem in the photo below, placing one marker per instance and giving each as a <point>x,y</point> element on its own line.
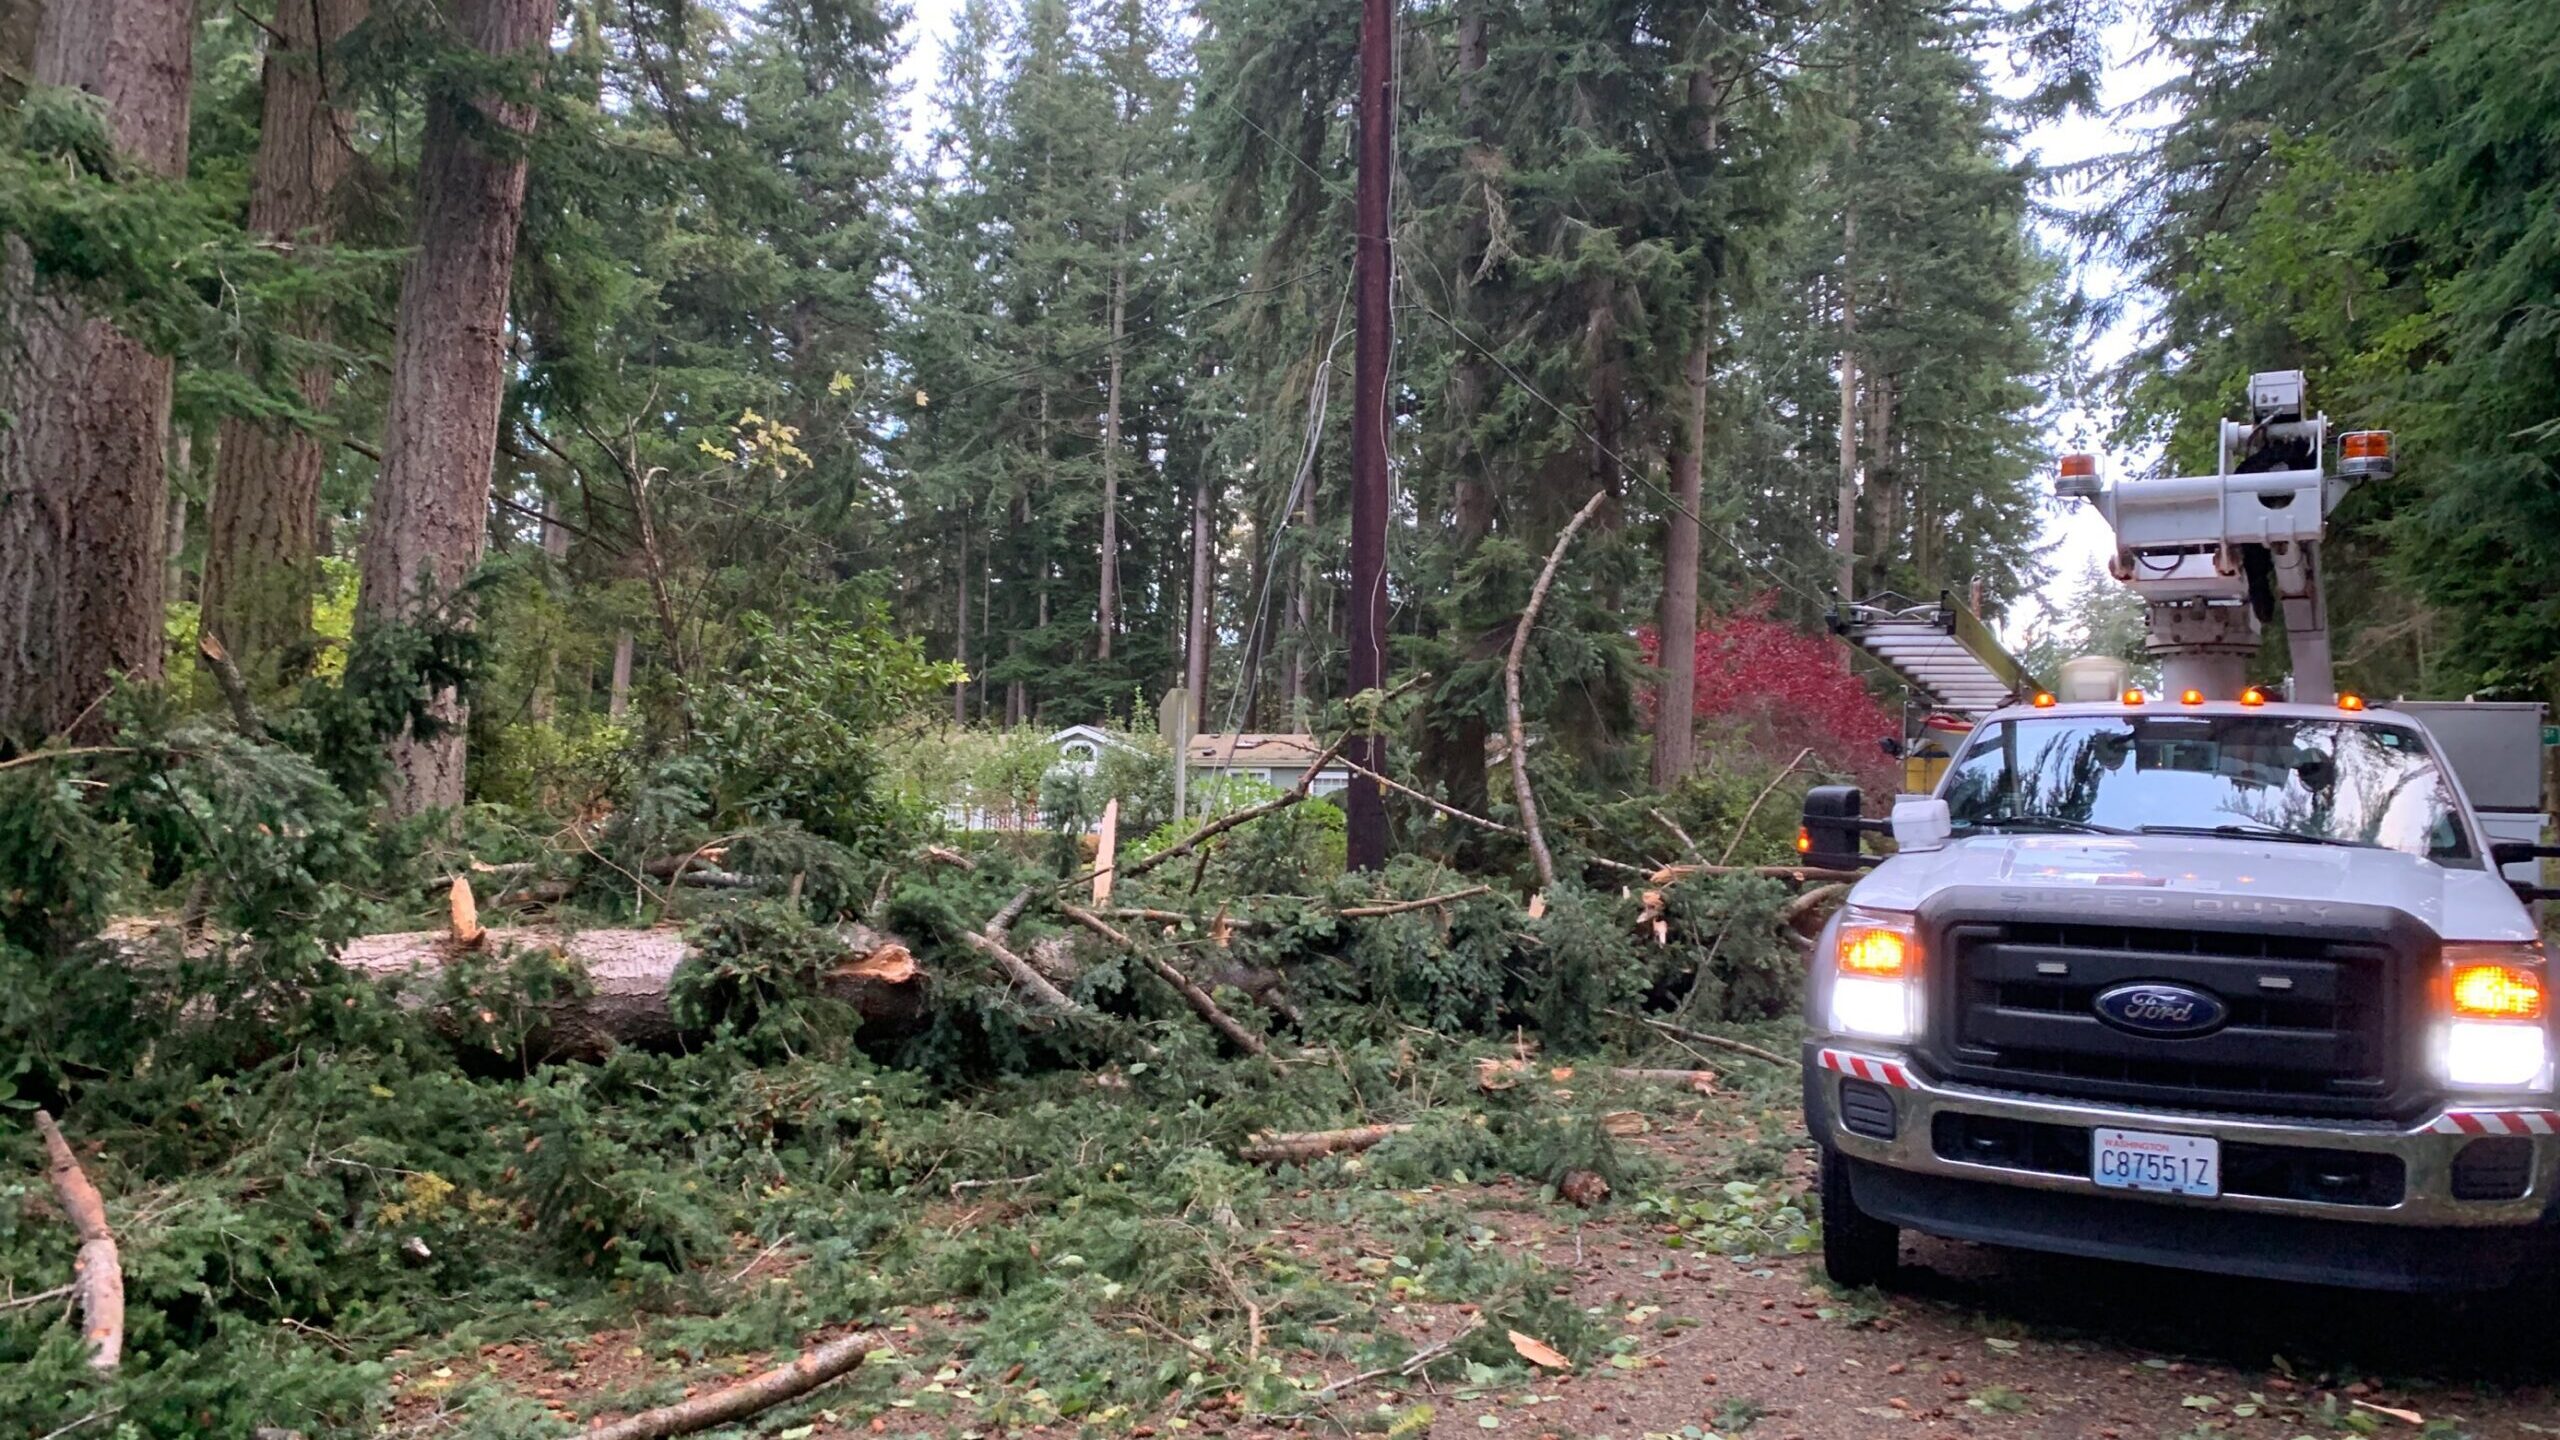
<point>2151,1008</point>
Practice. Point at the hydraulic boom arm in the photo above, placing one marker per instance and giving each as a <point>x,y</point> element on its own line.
<point>2215,557</point>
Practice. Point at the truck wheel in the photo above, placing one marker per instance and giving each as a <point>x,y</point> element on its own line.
<point>1858,1250</point>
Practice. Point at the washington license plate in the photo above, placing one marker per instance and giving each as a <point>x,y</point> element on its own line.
<point>2164,1164</point>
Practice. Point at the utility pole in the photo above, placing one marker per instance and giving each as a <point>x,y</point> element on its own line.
<point>1365,831</point>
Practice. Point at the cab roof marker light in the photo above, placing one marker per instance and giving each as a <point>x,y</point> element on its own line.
<point>2349,700</point>
<point>2044,700</point>
<point>2191,697</point>
<point>2253,696</point>
<point>2134,696</point>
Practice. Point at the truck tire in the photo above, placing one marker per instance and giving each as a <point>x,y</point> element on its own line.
<point>1858,1250</point>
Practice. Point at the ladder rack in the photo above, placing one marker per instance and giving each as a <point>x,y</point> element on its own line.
<point>1943,651</point>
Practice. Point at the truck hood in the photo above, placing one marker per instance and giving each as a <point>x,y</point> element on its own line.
<point>2455,904</point>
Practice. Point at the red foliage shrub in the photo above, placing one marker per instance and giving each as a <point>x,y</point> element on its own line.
<point>1794,687</point>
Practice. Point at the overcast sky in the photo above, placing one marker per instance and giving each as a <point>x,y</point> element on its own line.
<point>2075,535</point>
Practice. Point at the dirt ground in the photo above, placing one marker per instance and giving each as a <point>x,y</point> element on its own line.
<point>1975,1342</point>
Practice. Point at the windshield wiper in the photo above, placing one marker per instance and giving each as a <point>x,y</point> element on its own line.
<point>2257,832</point>
<point>2055,823</point>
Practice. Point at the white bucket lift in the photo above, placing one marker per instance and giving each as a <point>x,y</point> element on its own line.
<point>2214,557</point>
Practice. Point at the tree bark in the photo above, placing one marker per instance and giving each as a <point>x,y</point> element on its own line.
<point>262,530</point>
<point>1195,650</point>
<point>1884,484</point>
<point>1848,556</point>
<point>448,373</point>
<point>18,22</point>
<point>84,478</point>
<point>1108,611</point>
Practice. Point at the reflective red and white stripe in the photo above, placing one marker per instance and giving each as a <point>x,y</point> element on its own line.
<point>1882,1072</point>
<point>2497,1122</point>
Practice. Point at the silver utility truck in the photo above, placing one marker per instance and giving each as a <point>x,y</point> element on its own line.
<point>2225,977</point>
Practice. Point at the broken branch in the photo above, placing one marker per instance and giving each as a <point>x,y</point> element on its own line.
<point>1198,999</point>
<point>1023,974</point>
<point>98,1275</point>
<point>235,691</point>
<point>1371,912</point>
<point>784,1382</point>
<point>1800,874</point>
<point>1701,1037</point>
<point>1307,1145</point>
<point>1511,692</point>
<point>1745,827</point>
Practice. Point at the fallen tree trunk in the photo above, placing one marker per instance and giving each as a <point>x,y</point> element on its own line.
<point>97,1277</point>
<point>1315,1144</point>
<point>784,1382</point>
<point>628,976</point>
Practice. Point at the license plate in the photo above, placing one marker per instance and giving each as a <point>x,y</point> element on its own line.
<point>2163,1164</point>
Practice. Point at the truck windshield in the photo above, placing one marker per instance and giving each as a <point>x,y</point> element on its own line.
<point>2316,781</point>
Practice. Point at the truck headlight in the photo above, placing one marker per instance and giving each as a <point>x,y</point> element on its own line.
<point>1875,979</point>
<point>2496,1031</point>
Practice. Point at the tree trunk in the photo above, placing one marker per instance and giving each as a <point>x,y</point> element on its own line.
<point>18,22</point>
<point>1108,611</point>
<point>262,535</point>
<point>960,631</point>
<point>1848,559</point>
<point>1455,739</point>
<point>618,699</point>
<point>448,374</point>
<point>1884,484</point>
<point>1195,647</point>
<point>629,974</point>
<point>1676,713</point>
<point>84,477</point>
<point>173,546</point>
<point>1675,734</point>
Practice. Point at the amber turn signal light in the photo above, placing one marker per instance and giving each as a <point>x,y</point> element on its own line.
<point>1876,952</point>
<point>2497,992</point>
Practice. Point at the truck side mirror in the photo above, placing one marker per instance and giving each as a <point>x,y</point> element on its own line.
<point>2503,853</point>
<point>1831,826</point>
<point>2530,893</point>
<point>1891,745</point>
<point>1921,822</point>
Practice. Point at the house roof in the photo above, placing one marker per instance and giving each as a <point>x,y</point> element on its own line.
<point>1255,750</point>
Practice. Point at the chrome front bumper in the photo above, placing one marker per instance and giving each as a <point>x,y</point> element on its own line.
<point>2426,1148</point>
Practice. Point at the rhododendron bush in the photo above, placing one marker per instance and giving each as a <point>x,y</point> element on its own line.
<point>1783,688</point>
